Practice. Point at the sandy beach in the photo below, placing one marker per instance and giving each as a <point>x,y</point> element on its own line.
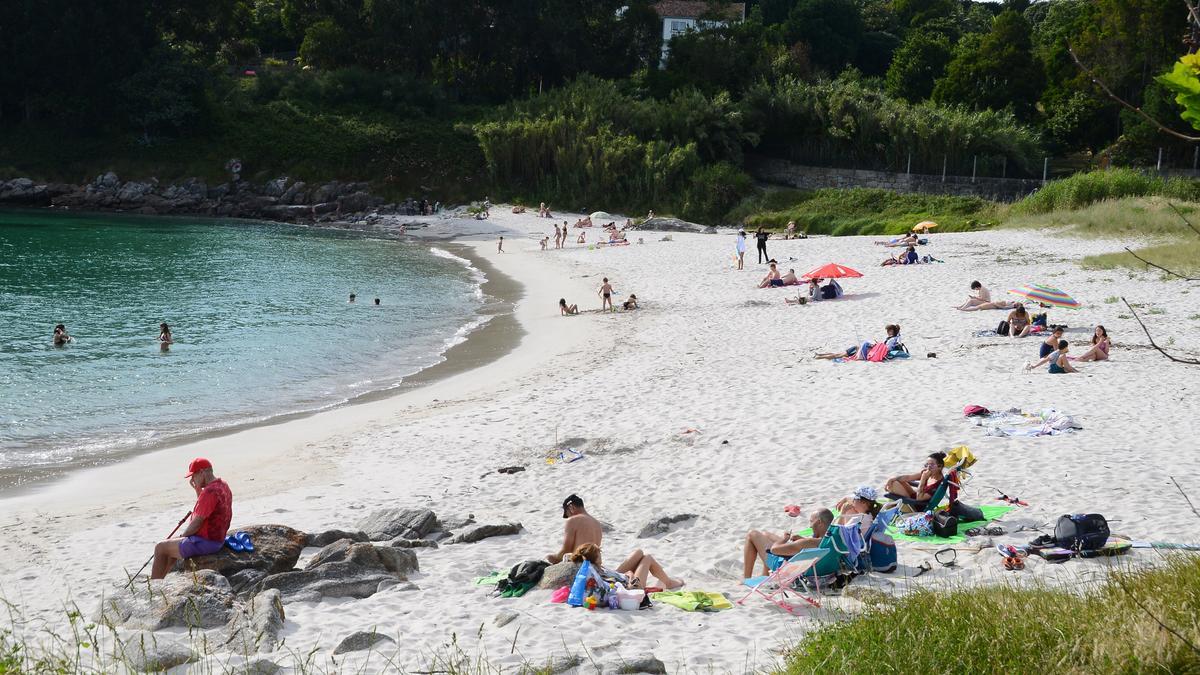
<point>708,352</point>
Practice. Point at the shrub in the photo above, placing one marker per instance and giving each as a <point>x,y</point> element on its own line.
<point>1083,189</point>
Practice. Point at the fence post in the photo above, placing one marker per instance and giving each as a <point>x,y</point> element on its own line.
<point>1158,166</point>
<point>1045,169</point>
<point>944,158</point>
<point>909,169</point>
<point>974,163</point>
<point>1004,165</point>
<point>1196,158</point>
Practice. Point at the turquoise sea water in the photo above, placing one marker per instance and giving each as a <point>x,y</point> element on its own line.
<point>259,314</point>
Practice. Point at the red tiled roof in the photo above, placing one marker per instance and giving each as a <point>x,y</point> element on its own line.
<point>692,9</point>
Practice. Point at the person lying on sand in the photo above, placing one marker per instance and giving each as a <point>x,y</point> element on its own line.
<point>581,528</point>
<point>892,340</point>
<point>634,572</point>
<point>909,239</point>
<point>1099,349</point>
<point>790,279</point>
<point>205,532</point>
<point>773,549</point>
<point>918,486</point>
<point>1059,363</point>
<point>1019,324</point>
<point>567,310</point>
<point>772,279</point>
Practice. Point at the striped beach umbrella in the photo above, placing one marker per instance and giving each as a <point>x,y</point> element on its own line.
<point>1046,295</point>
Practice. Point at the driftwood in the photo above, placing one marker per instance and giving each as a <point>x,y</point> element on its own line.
<point>1137,109</point>
<point>1191,362</point>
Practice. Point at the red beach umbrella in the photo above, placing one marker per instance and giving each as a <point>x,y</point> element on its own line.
<point>832,271</point>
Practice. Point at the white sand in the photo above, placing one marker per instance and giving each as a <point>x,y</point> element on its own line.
<point>709,351</point>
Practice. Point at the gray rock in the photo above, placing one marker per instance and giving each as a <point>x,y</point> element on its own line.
<point>505,617</point>
<point>327,192</point>
<point>399,586</point>
<point>256,626</point>
<point>413,543</point>
<point>665,524</point>
<point>327,537</point>
<point>133,192</point>
<point>457,523</point>
<point>200,600</point>
<point>107,181</point>
<point>356,642</point>
<point>262,667</point>
<point>219,192</point>
<point>276,549</point>
<point>277,187</point>
<point>367,556</point>
<point>557,576</point>
<point>145,652</point>
<point>246,582</point>
<point>344,569</point>
<point>481,532</point>
<point>562,664</point>
<point>640,664</point>
<point>296,194</point>
<point>674,225</point>
<point>387,524</point>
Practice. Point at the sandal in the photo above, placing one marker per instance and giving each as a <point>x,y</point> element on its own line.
<point>925,567</point>
<point>1013,563</point>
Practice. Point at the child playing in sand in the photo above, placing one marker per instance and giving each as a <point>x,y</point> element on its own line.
<point>567,310</point>
<point>606,291</point>
<point>630,303</point>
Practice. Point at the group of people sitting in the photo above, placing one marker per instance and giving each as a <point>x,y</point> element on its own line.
<point>776,280</point>
<point>1054,348</point>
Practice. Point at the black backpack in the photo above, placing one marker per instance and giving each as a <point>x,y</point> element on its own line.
<point>526,574</point>
<point>1002,328</point>
<point>1081,532</point>
<point>944,524</point>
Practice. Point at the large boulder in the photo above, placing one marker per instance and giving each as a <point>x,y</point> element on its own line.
<point>276,549</point>
<point>296,194</point>
<point>149,653</point>
<point>555,577</point>
<point>387,524</point>
<point>345,569</point>
<point>327,537</point>
<point>665,524</point>
<point>360,640</point>
<point>481,532</point>
<point>134,192</point>
<point>255,627</point>
<point>277,187</point>
<point>674,225</point>
<point>203,599</point>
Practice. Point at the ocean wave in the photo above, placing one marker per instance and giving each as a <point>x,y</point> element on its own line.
<point>477,275</point>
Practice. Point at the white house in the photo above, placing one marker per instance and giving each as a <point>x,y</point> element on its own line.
<point>679,16</point>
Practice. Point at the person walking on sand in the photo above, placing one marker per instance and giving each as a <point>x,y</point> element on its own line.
<point>205,532</point>
<point>741,248</point>
<point>557,236</point>
<point>164,337</point>
<point>606,291</point>
<point>581,528</point>
<point>761,236</point>
<point>500,245</point>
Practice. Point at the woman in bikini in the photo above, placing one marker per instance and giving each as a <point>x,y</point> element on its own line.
<point>164,337</point>
<point>635,571</point>
<point>1018,322</point>
<point>1100,346</point>
<point>918,486</point>
<point>567,310</point>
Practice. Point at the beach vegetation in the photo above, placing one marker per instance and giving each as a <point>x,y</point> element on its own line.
<point>1132,621</point>
<point>862,211</point>
<point>1083,189</point>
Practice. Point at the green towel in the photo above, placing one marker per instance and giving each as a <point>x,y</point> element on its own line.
<point>516,590</point>
<point>990,513</point>
<point>491,579</point>
<point>693,601</point>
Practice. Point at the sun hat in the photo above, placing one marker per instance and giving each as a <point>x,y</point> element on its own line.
<point>865,492</point>
<point>197,465</point>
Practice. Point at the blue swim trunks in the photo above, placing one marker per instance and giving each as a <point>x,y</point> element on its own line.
<point>774,561</point>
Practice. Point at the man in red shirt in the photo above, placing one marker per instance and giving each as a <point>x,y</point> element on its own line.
<point>205,532</point>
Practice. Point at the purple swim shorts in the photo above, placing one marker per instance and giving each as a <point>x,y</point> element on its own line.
<point>196,545</point>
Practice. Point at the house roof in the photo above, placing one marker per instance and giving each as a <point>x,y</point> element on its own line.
<point>693,9</point>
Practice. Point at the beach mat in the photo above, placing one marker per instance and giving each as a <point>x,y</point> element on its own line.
<point>990,513</point>
<point>693,601</point>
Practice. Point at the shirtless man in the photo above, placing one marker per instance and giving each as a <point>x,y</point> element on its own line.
<point>606,291</point>
<point>773,549</point>
<point>581,528</point>
<point>982,299</point>
<point>772,278</point>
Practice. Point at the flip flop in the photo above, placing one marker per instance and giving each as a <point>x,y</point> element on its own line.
<point>925,567</point>
<point>244,540</point>
<point>234,544</point>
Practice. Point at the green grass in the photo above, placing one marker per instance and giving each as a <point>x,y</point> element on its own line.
<point>861,211</point>
<point>1182,257</point>
<point>1007,629</point>
<point>1083,189</point>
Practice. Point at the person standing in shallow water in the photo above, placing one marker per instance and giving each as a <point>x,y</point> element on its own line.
<point>352,296</point>
<point>61,338</point>
<point>164,337</point>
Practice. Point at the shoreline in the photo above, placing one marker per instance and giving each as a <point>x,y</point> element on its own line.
<point>497,336</point>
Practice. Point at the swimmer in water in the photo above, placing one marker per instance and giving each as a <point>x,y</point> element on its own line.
<point>376,302</point>
<point>352,296</point>
<point>164,337</point>
<point>61,337</point>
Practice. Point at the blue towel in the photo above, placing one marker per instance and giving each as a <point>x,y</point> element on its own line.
<point>852,537</point>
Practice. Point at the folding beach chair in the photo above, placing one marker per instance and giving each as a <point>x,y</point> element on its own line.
<point>801,574</point>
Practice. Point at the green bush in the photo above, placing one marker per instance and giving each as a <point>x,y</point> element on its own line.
<point>1083,189</point>
<point>713,191</point>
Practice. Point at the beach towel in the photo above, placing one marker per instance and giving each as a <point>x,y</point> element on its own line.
<point>990,513</point>
<point>491,579</point>
<point>693,601</point>
<point>878,352</point>
<point>1015,422</point>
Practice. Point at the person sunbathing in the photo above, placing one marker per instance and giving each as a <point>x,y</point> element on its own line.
<point>790,279</point>
<point>979,296</point>
<point>772,279</point>
<point>860,508</point>
<point>1051,343</point>
<point>567,310</point>
<point>909,239</point>
<point>1059,363</point>
<point>1099,349</point>
<point>773,549</point>
<point>893,341</point>
<point>634,572</point>
<point>918,486</point>
<point>1018,322</point>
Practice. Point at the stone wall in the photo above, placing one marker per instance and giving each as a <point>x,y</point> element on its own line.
<point>781,172</point>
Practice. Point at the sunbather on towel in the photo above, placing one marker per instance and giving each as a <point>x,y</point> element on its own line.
<point>636,569</point>
<point>909,239</point>
<point>893,342</point>
<point>918,486</point>
<point>1019,323</point>
<point>790,279</point>
<point>772,549</point>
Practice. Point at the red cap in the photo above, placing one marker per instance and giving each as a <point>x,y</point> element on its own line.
<point>198,464</point>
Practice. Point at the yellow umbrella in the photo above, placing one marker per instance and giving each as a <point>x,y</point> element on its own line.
<point>925,225</point>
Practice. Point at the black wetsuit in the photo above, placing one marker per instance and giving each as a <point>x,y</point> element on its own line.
<point>762,246</point>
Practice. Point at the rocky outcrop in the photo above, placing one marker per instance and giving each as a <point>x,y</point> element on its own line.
<point>200,600</point>
<point>674,225</point>
<point>276,549</point>
<point>255,627</point>
<point>322,539</point>
<point>555,577</point>
<point>148,653</point>
<point>665,524</point>
<point>345,569</point>
<point>357,642</point>
<point>387,524</point>
<point>481,532</point>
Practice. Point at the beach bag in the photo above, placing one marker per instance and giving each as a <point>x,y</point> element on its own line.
<point>944,524</point>
<point>966,513</point>
<point>878,352</point>
<point>883,553</point>
<point>975,410</point>
<point>917,525</point>
<point>1002,328</point>
<point>521,578</point>
<point>1081,531</point>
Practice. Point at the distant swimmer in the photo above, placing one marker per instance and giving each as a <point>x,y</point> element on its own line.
<point>376,302</point>
<point>164,337</point>
<point>352,296</point>
<point>61,337</point>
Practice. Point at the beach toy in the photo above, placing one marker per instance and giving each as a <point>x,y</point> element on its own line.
<point>630,599</point>
<point>560,596</point>
<point>590,603</point>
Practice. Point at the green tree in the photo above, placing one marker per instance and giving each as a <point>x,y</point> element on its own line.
<point>996,71</point>
<point>832,29</point>
<point>917,65</point>
<point>917,13</point>
<point>327,45</point>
